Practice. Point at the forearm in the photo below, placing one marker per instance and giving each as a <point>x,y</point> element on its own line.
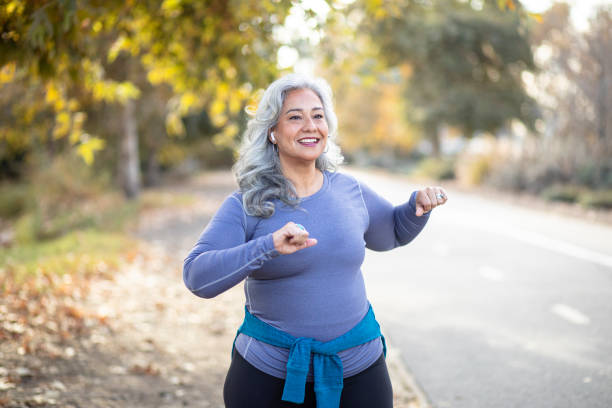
<point>391,226</point>
<point>407,224</point>
<point>208,272</point>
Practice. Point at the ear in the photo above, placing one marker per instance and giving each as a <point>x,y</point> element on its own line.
<point>272,138</point>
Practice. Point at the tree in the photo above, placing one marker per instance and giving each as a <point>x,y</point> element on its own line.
<point>66,55</point>
<point>466,62</point>
<point>576,94</point>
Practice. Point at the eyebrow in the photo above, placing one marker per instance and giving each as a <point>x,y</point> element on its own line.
<point>301,110</point>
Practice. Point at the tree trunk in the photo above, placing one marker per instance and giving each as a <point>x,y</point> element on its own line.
<point>129,163</point>
<point>433,133</point>
<point>152,174</point>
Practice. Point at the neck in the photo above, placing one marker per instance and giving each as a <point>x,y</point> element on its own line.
<point>306,179</point>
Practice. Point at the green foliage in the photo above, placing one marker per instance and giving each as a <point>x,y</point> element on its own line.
<point>597,199</point>
<point>67,66</point>
<point>63,194</point>
<point>80,252</point>
<point>435,169</point>
<point>566,193</point>
<point>14,200</point>
<point>465,64</point>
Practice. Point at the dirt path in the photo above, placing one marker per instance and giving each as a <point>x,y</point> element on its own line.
<point>149,342</point>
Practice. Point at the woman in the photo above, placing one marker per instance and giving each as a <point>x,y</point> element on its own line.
<point>296,233</point>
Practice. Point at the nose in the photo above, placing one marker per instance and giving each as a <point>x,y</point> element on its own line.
<point>309,125</point>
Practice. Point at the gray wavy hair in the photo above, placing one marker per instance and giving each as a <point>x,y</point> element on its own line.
<point>258,170</point>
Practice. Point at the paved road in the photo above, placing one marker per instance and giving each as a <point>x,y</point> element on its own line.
<point>498,306</point>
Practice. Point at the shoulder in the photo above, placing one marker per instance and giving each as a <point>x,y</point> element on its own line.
<point>232,205</point>
<point>338,177</point>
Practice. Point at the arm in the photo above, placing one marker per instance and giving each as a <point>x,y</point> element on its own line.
<point>222,258</point>
<point>390,226</point>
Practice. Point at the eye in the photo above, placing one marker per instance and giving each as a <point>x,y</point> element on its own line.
<point>295,117</point>
<point>319,116</point>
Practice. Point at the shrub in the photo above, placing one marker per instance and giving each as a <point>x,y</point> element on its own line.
<point>436,169</point>
<point>597,199</point>
<point>14,200</point>
<point>566,193</point>
<point>473,170</point>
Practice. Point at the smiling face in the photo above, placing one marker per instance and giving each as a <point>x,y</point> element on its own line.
<point>301,131</point>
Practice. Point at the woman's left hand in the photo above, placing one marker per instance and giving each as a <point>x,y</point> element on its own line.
<point>429,198</point>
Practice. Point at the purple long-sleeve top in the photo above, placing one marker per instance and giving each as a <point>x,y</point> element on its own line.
<point>316,292</point>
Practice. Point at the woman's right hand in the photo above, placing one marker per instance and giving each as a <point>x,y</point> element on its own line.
<point>291,238</point>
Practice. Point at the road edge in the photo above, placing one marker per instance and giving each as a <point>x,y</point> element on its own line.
<point>405,385</point>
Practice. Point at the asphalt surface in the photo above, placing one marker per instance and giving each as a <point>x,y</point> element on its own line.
<point>498,306</point>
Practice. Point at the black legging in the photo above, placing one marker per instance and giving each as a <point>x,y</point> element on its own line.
<point>248,387</point>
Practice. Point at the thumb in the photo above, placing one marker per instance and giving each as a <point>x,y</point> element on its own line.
<point>311,242</point>
<point>419,211</point>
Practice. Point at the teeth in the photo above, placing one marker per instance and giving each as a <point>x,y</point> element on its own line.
<point>308,140</point>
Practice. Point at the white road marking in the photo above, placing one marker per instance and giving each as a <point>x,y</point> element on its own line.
<point>570,314</point>
<point>560,246</point>
<point>491,273</point>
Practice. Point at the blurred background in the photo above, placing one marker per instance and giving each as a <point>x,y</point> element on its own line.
<point>102,103</point>
<point>100,97</point>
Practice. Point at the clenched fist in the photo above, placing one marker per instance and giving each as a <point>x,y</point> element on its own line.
<point>429,198</point>
<point>291,238</point>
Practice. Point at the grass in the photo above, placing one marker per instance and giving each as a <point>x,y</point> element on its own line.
<point>82,253</point>
<point>85,238</point>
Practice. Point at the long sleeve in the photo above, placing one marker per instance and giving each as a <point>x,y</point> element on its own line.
<point>390,226</point>
<point>222,258</point>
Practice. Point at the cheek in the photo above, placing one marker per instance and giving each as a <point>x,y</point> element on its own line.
<point>324,129</point>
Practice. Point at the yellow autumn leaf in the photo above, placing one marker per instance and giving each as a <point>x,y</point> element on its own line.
<point>52,94</point>
<point>235,102</point>
<point>88,147</point>
<point>73,105</point>
<point>536,16</point>
<point>14,7</point>
<point>225,138</point>
<point>218,120</point>
<point>97,27</point>
<point>127,90</point>
<point>120,44</point>
<point>174,124</point>
<point>7,73</point>
<point>170,5</point>
<point>188,101</point>
<point>62,125</point>
<point>77,127</point>
<point>217,107</point>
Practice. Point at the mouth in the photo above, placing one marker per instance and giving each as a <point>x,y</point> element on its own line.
<point>309,141</point>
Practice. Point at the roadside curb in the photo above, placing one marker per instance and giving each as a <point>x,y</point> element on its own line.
<point>407,392</point>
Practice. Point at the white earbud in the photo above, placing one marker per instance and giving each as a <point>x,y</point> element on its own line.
<point>272,138</point>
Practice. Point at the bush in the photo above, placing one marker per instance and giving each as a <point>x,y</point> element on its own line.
<point>61,195</point>
<point>597,199</point>
<point>566,193</point>
<point>473,170</point>
<point>14,200</point>
<point>435,169</point>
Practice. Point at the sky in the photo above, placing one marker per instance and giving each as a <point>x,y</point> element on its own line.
<point>582,10</point>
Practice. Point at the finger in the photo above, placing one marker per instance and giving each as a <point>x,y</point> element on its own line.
<point>444,195</point>
<point>425,201</point>
<point>306,244</point>
<point>419,211</point>
<point>299,237</point>
<point>431,194</point>
<point>310,242</point>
